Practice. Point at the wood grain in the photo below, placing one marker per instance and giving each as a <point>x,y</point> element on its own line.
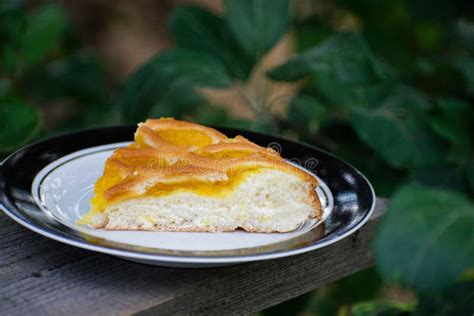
<point>41,276</point>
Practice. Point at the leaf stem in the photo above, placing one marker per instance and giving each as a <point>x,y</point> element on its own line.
<point>258,110</point>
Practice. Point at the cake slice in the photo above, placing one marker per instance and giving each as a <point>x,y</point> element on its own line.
<point>181,176</point>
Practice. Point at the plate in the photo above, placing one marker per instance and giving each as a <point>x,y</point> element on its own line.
<point>47,186</point>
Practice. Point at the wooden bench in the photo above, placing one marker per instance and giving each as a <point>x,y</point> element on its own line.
<point>40,276</point>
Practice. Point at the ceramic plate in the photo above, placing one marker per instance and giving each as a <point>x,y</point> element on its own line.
<point>47,186</point>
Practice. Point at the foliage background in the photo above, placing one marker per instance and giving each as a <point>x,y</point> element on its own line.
<point>386,85</point>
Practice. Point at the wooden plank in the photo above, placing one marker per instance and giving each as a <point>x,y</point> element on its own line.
<point>41,276</point>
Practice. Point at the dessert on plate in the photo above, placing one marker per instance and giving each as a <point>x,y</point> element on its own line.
<point>182,176</point>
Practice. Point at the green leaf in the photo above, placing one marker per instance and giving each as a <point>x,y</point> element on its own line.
<point>428,35</point>
<point>426,239</point>
<point>179,99</point>
<point>258,24</point>
<point>44,29</point>
<point>10,59</point>
<point>79,77</point>
<point>12,24</point>
<point>311,31</point>
<point>98,114</point>
<point>382,307</point>
<point>452,120</point>
<point>167,81</point>
<point>11,5</point>
<point>5,87</point>
<point>346,95</point>
<point>263,125</point>
<point>457,299</point>
<point>199,30</point>
<point>464,64</point>
<point>465,31</point>
<point>446,177</point>
<point>469,169</point>
<point>399,96</point>
<point>20,122</point>
<point>398,132</point>
<point>306,112</point>
<point>210,115</point>
<point>347,145</point>
<point>344,56</point>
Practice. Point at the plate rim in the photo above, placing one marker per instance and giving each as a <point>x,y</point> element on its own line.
<point>184,259</point>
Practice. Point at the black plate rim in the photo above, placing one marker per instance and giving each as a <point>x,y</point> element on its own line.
<point>180,258</point>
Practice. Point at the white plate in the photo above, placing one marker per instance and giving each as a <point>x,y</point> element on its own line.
<point>61,190</point>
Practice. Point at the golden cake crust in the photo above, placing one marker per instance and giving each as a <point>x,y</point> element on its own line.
<point>174,154</point>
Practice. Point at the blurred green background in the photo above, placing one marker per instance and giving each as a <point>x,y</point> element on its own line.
<point>386,85</point>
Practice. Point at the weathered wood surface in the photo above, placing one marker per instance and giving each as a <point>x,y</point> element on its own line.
<point>39,276</point>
